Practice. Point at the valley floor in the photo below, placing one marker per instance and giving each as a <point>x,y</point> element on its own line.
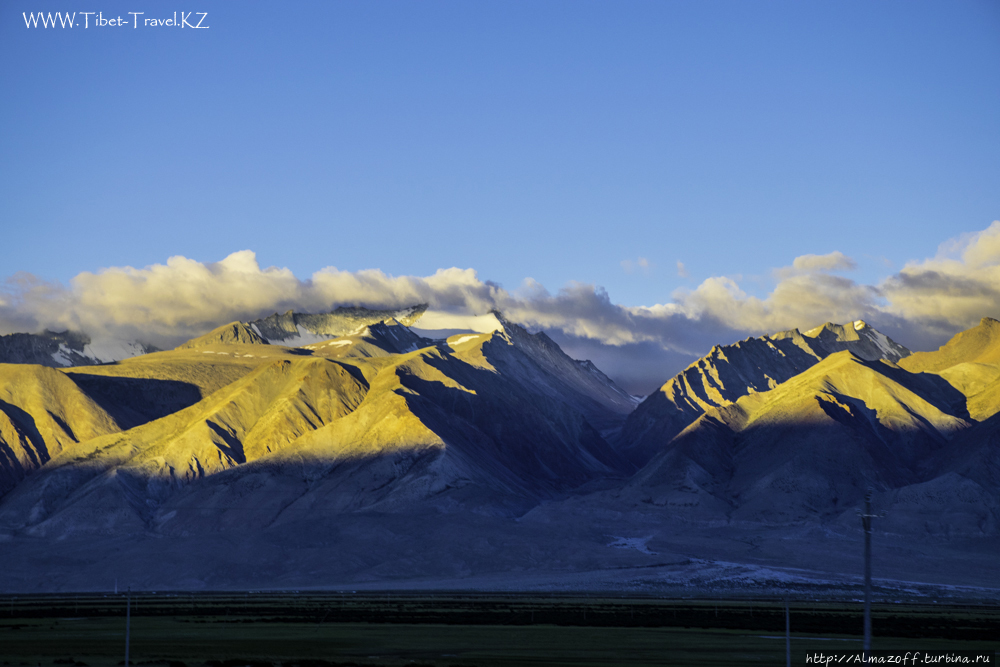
<point>571,551</point>
<point>448,629</point>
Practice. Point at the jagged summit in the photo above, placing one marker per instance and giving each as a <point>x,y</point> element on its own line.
<point>227,334</point>
<point>306,330</point>
<point>381,456</point>
<point>837,331</point>
<point>859,337</point>
<point>380,418</point>
<point>811,446</point>
<point>728,372</point>
<point>293,329</point>
<point>584,376</point>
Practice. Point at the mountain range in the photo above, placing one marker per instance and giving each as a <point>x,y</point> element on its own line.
<point>351,449</point>
<point>74,348</point>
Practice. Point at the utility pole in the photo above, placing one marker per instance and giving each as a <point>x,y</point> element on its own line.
<point>866,524</point>
<point>128,621</point>
<point>788,636</point>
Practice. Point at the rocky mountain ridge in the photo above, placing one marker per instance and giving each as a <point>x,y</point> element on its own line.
<point>67,348</point>
<point>381,455</point>
<point>291,329</point>
<point>728,372</point>
<point>470,403</point>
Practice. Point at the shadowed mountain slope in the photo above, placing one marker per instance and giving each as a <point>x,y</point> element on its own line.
<point>597,396</point>
<point>160,383</point>
<point>67,348</point>
<point>379,456</point>
<point>375,340</point>
<point>473,422</point>
<point>808,449</point>
<point>971,363</point>
<point>729,372</point>
<point>545,366</point>
<point>42,413</point>
<point>120,477</point>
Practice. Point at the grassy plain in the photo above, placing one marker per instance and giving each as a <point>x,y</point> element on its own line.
<point>449,630</point>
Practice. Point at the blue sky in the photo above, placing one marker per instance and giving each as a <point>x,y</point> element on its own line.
<point>550,140</point>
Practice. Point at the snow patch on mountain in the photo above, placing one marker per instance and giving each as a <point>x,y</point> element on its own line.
<point>300,338</point>
<point>62,355</point>
<point>108,350</point>
<point>889,349</point>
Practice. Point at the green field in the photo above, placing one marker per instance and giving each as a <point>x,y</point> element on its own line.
<point>452,630</point>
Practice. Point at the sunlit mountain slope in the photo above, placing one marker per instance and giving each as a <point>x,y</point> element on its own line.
<point>75,348</point>
<point>923,434</point>
<point>971,363</point>
<point>488,421</point>
<point>809,447</point>
<point>227,334</point>
<point>138,390</point>
<point>42,413</point>
<point>377,454</point>
<point>728,372</point>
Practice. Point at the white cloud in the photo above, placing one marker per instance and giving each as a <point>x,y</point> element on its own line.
<point>834,261</point>
<point>951,291</point>
<point>165,304</point>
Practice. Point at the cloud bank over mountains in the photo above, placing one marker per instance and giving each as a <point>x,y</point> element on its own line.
<point>164,304</point>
